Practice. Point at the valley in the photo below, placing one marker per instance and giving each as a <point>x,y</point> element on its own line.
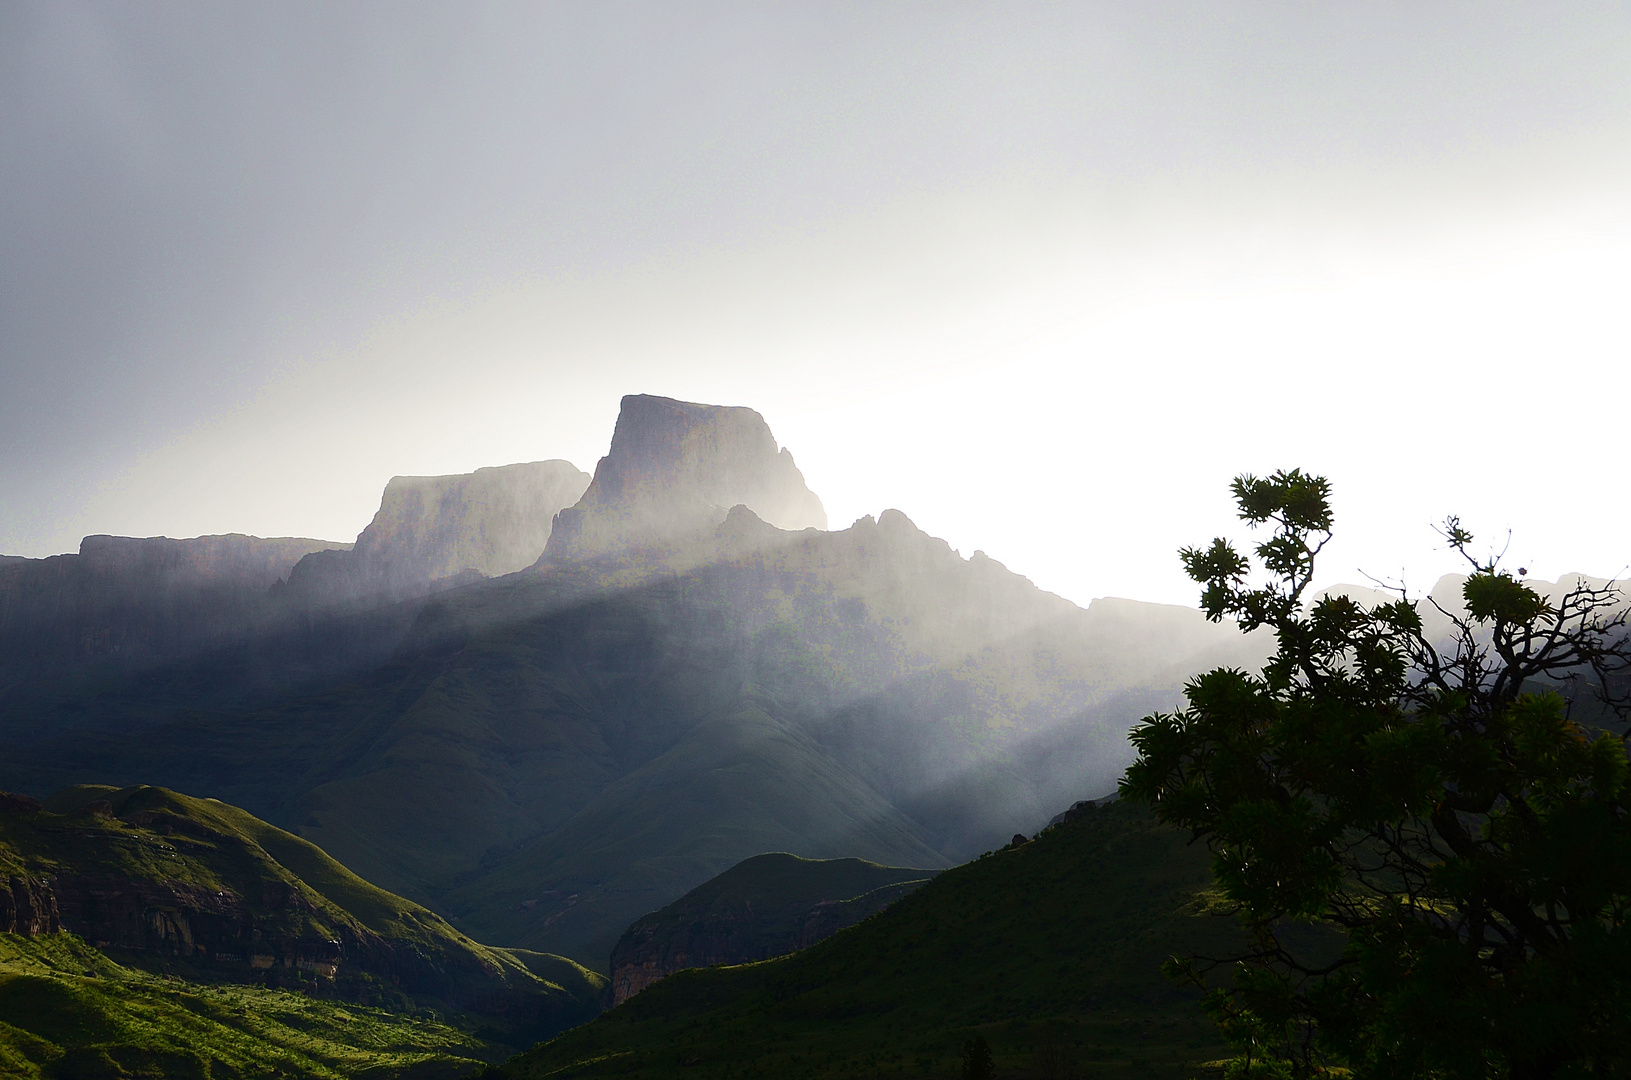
<point>539,742</point>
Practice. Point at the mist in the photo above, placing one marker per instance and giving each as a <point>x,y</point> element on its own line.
<point>1043,276</point>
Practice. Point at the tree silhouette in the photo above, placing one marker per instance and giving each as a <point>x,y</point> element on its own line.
<point>977,1063</point>
<point>1430,802</point>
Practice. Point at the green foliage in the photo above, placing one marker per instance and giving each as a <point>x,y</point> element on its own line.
<point>150,835</point>
<point>977,1064</point>
<point>67,1011</point>
<point>761,907</point>
<point>1050,951</point>
<point>1465,845</point>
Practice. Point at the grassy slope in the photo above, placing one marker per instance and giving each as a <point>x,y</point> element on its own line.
<point>66,1010</point>
<point>1052,950</point>
<point>776,880</point>
<point>247,850</point>
<point>761,903</point>
<point>69,1010</point>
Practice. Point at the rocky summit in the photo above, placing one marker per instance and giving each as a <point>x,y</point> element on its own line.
<point>433,529</point>
<point>674,471</point>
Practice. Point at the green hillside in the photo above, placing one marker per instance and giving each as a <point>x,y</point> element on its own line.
<point>206,891</point>
<point>763,907</point>
<point>1051,950</point>
<point>68,1012</point>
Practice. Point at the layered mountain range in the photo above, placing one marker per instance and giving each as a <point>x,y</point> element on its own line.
<point>544,705</point>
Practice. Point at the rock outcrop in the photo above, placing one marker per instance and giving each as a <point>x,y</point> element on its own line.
<point>434,530</point>
<point>766,906</point>
<point>28,907</point>
<point>674,471</point>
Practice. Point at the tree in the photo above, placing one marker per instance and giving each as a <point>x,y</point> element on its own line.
<point>977,1063</point>
<point>1433,804</point>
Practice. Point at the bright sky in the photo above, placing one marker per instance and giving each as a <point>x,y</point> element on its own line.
<point>1043,276</point>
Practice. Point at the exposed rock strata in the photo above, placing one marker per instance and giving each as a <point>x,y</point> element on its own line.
<point>28,907</point>
<point>674,471</point>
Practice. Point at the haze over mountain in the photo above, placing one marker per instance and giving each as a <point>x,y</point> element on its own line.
<point>519,677</point>
<point>673,472</point>
<point>431,529</point>
<point>767,906</point>
<point>124,602</point>
<point>1051,950</point>
<point>676,685</point>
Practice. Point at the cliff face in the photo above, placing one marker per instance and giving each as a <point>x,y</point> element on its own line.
<point>132,601</point>
<point>674,471</point>
<point>432,529</point>
<point>766,906</point>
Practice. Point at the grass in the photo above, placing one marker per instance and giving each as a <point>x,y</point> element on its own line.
<point>150,834</point>
<point>69,1012</point>
<point>1051,950</point>
<point>762,907</point>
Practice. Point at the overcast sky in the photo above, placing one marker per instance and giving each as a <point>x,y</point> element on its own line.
<point>1043,276</point>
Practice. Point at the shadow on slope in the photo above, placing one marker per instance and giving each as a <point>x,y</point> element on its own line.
<point>200,888</point>
<point>1051,950</point>
<point>550,755</point>
<point>68,1011</point>
<point>763,907</point>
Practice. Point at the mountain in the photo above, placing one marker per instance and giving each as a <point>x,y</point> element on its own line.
<point>763,907</point>
<point>1051,950</point>
<point>68,1011</point>
<point>675,686</point>
<point>674,471</point>
<point>204,889</point>
<point>124,603</point>
<point>431,529</point>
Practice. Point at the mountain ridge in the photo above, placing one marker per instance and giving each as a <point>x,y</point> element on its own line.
<point>547,755</point>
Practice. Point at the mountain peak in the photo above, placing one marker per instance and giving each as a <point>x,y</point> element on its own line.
<point>433,529</point>
<point>674,470</point>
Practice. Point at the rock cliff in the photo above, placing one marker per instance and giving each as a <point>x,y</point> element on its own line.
<point>432,529</point>
<point>674,471</point>
<point>131,601</point>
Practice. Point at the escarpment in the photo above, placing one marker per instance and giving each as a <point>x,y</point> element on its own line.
<point>435,531</point>
<point>126,602</point>
<point>673,473</point>
<point>28,907</point>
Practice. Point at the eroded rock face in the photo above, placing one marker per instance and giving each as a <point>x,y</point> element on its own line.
<point>28,907</point>
<point>674,471</point>
<point>136,600</point>
<point>443,529</point>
